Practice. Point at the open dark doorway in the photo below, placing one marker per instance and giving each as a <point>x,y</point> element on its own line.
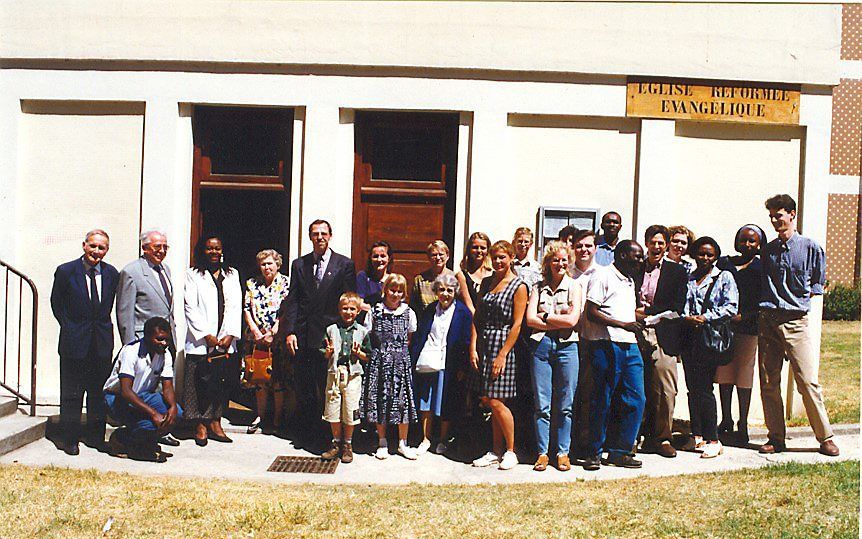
<point>241,188</point>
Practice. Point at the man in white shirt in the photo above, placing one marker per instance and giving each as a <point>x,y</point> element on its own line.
<point>131,394</point>
<point>524,265</point>
<point>617,366</point>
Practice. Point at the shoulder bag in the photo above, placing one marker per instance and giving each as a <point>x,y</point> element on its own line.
<point>258,366</point>
<point>715,337</point>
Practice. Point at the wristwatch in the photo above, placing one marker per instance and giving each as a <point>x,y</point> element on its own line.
<point>545,317</point>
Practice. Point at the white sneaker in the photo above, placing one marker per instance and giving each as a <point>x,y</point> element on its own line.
<point>711,450</point>
<point>509,460</point>
<point>423,447</point>
<point>407,452</point>
<point>441,448</point>
<point>487,459</point>
<point>382,452</point>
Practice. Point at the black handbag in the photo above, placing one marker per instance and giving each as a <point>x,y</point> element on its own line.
<point>714,338</point>
<point>213,374</point>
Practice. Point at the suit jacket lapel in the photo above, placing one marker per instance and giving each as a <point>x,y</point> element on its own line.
<point>150,277</point>
<point>308,273</point>
<point>327,275</point>
<point>106,285</point>
<point>80,281</point>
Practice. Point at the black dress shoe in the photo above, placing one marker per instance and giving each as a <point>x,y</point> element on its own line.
<point>71,449</point>
<point>219,438</point>
<point>622,461</point>
<point>167,439</point>
<point>591,464</point>
<point>201,442</point>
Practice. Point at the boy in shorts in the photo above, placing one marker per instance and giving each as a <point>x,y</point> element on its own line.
<point>346,344</point>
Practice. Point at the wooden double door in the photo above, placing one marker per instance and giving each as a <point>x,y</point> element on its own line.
<point>405,167</point>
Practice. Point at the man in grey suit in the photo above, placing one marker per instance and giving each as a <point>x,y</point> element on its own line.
<point>145,288</point>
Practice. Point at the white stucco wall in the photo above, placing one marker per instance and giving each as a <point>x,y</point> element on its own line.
<point>781,42</point>
<point>79,169</point>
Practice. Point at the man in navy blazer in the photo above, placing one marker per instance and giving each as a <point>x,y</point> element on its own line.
<point>317,281</point>
<point>82,299</point>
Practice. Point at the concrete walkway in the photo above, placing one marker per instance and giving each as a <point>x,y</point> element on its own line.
<point>250,455</point>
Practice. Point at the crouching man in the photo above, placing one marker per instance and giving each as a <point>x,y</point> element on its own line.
<point>132,397</point>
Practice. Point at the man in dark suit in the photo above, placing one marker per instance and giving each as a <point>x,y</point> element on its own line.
<point>317,280</point>
<point>82,299</point>
<point>661,288</point>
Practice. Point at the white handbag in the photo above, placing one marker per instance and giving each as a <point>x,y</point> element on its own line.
<point>431,359</point>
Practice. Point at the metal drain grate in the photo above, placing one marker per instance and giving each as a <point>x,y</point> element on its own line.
<point>303,465</point>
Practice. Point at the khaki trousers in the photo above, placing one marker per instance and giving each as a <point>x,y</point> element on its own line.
<point>660,383</point>
<point>785,334</point>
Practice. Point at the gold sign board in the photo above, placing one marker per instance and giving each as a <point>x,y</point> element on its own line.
<point>721,103</point>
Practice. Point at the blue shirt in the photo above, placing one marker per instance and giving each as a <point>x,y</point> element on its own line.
<point>792,272</point>
<point>724,298</point>
<point>604,252</point>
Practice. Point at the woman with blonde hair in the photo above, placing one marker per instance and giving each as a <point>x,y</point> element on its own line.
<point>553,312</point>
<point>499,314</point>
<point>475,266</point>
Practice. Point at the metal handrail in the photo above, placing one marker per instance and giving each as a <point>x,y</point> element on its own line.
<point>31,400</point>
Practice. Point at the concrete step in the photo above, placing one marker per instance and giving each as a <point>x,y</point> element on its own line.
<point>8,405</point>
<point>17,430</point>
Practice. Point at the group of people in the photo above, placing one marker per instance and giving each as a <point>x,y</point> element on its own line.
<point>590,337</point>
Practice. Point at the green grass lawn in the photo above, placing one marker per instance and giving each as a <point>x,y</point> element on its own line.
<point>839,372</point>
<point>790,500</point>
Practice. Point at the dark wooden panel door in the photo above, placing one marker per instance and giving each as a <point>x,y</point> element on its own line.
<point>404,184</point>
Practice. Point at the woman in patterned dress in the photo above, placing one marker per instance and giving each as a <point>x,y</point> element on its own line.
<point>263,297</point>
<point>387,396</point>
<point>475,267</point>
<point>499,315</point>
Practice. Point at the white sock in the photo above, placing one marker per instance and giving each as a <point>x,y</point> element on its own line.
<point>402,443</point>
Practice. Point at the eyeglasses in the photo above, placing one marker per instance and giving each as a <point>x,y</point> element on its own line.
<point>157,247</point>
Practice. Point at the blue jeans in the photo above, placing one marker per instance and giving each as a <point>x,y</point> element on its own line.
<point>555,377</point>
<point>141,427</point>
<point>618,397</point>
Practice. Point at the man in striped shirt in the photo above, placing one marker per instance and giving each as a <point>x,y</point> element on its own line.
<point>794,269</point>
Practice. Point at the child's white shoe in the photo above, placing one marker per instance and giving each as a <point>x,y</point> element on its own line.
<point>711,450</point>
<point>423,447</point>
<point>382,453</point>
<point>487,459</point>
<point>509,460</point>
<point>407,452</point>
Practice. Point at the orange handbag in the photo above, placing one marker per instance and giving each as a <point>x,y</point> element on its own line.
<point>258,366</point>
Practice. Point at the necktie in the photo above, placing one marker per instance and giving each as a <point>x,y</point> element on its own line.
<point>318,271</point>
<point>161,272</point>
<point>94,291</point>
